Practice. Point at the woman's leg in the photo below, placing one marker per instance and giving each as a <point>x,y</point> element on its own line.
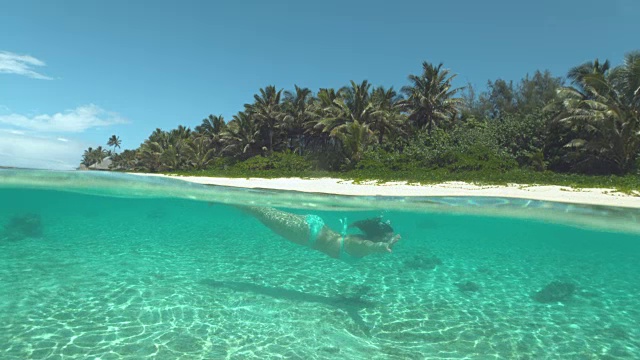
<point>290,226</point>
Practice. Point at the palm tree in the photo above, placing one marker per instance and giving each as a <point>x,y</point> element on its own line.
<point>212,128</point>
<point>150,154</point>
<point>159,136</point>
<point>87,157</point>
<point>602,111</point>
<point>267,111</point>
<point>344,119</point>
<point>297,110</point>
<point>326,96</point>
<point>386,118</point>
<point>335,119</point>
<point>350,104</point>
<point>98,155</point>
<point>320,107</point>
<point>357,100</point>
<point>578,73</point>
<point>355,138</point>
<point>115,142</point>
<point>431,100</point>
<point>165,150</point>
<point>199,153</point>
<point>241,135</point>
<point>127,160</point>
<point>626,79</point>
<point>179,133</point>
<point>93,156</point>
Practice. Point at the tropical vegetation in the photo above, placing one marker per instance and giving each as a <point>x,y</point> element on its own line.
<point>587,123</point>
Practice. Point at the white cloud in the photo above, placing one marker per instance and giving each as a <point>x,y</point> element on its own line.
<point>76,120</point>
<point>11,63</point>
<point>41,152</point>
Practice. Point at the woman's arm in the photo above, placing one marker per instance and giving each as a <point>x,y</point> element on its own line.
<point>360,247</point>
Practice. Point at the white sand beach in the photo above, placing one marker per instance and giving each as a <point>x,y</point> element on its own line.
<point>592,196</point>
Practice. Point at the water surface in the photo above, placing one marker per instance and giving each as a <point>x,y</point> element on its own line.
<point>127,267</point>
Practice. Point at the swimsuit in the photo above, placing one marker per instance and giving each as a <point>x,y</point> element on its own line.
<point>316,224</point>
<point>343,255</point>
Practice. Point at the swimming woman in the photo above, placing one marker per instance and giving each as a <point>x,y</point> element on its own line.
<point>310,230</point>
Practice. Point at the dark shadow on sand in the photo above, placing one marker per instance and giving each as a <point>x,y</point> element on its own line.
<point>350,304</point>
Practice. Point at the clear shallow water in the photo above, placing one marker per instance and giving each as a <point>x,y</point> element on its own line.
<point>130,276</point>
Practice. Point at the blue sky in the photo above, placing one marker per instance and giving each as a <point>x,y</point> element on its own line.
<point>74,72</point>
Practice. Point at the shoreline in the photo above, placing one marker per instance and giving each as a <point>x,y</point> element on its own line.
<point>332,186</point>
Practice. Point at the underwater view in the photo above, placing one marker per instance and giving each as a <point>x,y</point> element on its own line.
<point>114,266</point>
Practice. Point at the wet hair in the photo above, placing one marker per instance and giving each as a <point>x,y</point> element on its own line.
<point>374,229</point>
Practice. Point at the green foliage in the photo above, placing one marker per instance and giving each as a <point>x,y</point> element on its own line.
<point>628,183</point>
<point>286,162</point>
<point>212,128</point>
<point>512,132</point>
<point>329,158</point>
<point>381,166</point>
<point>115,142</point>
<point>93,156</point>
<point>522,136</point>
<point>503,98</point>
<point>267,112</point>
<point>385,161</point>
<point>536,92</point>
<point>467,148</point>
<point>499,100</point>
<point>479,158</point>
<point>431,98</point>
<point>600,114</point>
<point>126,160</point>
<point>298,115</point>
<point>241,136</point>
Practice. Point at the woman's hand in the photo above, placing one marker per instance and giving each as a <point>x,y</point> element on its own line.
<point>388,245</point>
<point>384,246</point>
<point>359,247</point>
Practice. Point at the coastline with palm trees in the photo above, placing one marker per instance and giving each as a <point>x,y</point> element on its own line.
<point>582,130</point>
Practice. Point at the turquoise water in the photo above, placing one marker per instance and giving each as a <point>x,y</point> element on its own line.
<point>119,272</point>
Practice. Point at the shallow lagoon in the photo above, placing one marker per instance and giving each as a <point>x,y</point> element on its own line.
<point>130,267</point>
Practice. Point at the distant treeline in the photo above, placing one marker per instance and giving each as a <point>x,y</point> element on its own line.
<point>587,122</point>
